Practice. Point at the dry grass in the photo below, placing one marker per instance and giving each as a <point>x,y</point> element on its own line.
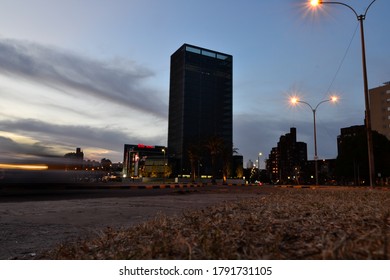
<point>288,224</point>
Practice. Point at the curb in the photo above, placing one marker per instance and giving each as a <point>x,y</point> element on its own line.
<point>314,187</point>
<point>154,187</point>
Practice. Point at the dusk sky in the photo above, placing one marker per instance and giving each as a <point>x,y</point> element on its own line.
<point>95,74</point>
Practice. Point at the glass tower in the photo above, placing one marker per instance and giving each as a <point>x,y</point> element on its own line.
<point>200,105</point>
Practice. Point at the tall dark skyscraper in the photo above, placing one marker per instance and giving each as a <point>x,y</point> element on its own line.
<point>200,104</point>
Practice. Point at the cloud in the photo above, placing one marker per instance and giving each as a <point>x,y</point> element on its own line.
<point>10,150</point>
<point>118,81</point>
<point>55,140</point>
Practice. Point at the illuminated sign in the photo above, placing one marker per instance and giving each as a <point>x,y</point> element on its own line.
<point>143,146</point>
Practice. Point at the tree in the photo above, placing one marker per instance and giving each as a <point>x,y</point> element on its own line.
<point>226,154</point>
<point>106,164</point>
<point>194,157</point>
<point>215,146</point>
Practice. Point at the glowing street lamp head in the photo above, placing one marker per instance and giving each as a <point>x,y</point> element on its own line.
<point>315,3</point>
<point>333,98</point>
<point>294,100</point>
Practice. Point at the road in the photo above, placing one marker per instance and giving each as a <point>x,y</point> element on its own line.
<point>36,220</point>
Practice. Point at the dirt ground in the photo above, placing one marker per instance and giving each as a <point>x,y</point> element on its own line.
<point>27,228</point>
<point>293,223</point>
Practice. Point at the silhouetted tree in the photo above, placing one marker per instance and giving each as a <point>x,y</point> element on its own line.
<point>106,164</point>
<point>215,146</point>
<point>227,154</point>
<point>194,155</point>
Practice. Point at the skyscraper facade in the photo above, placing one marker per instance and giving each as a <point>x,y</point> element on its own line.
<point>200,105</point>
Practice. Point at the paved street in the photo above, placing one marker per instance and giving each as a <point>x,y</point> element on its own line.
<point>39,219</point>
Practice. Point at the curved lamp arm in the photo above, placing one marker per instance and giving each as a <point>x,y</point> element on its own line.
<point>348,6</point>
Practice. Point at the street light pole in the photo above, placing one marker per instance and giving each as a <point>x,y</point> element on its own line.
<point>295,100</point>
<point>370,148</point>
<point>163,150</point>
<point>315,143</point>
<point>258,160</point>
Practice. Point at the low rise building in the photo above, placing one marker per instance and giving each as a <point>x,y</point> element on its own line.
<point>145,161</point>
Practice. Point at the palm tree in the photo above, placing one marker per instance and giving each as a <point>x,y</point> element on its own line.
<point>194,157</point>
<point>226,154</point>
<point>215,146</point>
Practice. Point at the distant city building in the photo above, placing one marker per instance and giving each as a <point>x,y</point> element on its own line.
<point>273,165</point>
<point>352,159</point>
<point>79,155</point>
<point>326,171</point>
<point>145,161</point>
<point>200,106</point>
<point>75,160</point>
<point>288,159</point>
<point>348,133</point>
<point>249,164</point>
<point>380,109</point>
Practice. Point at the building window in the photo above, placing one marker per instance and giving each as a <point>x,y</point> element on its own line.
<point>194,50</point>
<point>207,53</point>
<point>221,56</point>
